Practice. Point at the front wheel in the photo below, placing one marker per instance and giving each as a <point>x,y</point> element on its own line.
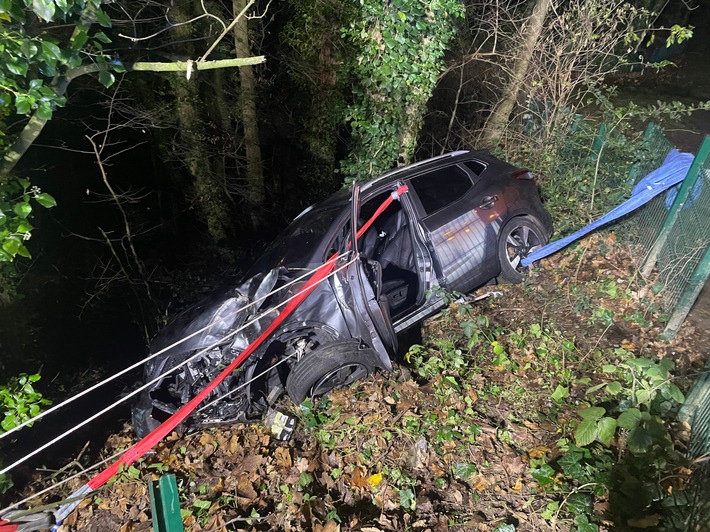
<point>328,367</point>
<point>520,237</point>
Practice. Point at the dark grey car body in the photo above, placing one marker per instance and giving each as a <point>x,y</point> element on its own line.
<point>448,230</point>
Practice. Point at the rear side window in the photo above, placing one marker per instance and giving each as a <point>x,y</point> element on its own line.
<point>475,166</point>
<point>441,187</point>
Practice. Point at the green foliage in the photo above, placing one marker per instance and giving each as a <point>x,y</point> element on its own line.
<point>583,165</point>
<point>610,407</point>
<point>642,394</point>
<point>400,47</point>
<point>32,54</point>
<point>317,418</point>
<point>637,396</point>
<point>678,34</point>
<point>126,474</point>
<point>16,202</point>
<point>319,64</point>
<point>20,401</point>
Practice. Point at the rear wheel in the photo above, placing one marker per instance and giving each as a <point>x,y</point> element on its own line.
<point>520,237</point>
<point>331,366</point>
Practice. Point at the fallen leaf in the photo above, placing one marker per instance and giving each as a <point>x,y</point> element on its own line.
<point>302,465</point>
<point>233,444</point>
<point>628,345</point>
<point>374,480</point>
<point>647,521</point>
<point>245,488</point>
<point>330,526</point>
<point>252,462</point>
<point>480,483</point>
<point>538,452</point>
<point>283,457</point>
<point>71,518</point>
<point>358,478</point>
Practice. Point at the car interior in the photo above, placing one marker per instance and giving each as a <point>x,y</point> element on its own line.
<point>389,243</point>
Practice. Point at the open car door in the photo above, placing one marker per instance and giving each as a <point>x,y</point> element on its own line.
<point>364,278</point>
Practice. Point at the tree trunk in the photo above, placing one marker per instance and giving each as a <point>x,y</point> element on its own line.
<point>256,193</point>
<point>194,151</point>
<point>498,120</point>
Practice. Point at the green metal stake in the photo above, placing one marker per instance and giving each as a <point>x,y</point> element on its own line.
<point>672,218</point>
<point>165,504</point>
<point>599,141</point>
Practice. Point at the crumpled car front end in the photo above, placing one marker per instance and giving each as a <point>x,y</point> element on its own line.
<point>209,336</point>
<point>202,341</point>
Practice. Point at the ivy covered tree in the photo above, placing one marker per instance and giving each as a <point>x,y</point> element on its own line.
<point>400,51</point>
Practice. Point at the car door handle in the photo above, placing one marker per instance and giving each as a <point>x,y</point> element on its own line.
<point>488,202</point>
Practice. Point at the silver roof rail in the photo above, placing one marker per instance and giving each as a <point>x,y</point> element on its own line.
<point>411,166</point>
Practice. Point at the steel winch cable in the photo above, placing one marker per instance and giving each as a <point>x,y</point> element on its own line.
<point>58,484</point>
<point>149,441</point>
<point>163,375</point>
<point>119,453</point>
<point>150,357</point>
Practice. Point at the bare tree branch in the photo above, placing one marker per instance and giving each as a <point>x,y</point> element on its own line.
<point>35,124</point>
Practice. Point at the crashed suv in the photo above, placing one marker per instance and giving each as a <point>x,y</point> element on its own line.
<point>455,222</point>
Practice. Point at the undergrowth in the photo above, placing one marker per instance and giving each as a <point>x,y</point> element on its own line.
<point>548,408</point>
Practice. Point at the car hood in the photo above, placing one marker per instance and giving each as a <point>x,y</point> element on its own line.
<point>212,321</point>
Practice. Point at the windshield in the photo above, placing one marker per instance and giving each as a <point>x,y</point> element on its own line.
<point>299,246</point>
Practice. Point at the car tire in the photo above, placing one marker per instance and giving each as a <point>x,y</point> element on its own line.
<point>520,237</point>
<point>328,367</point>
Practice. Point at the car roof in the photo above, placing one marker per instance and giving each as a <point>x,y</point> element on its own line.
<point>342,196</point>
<point>404,171</point>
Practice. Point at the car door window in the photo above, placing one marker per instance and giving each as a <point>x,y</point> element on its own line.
<point>460,231</point>
<point>441,187</point>
<point>476,167</point>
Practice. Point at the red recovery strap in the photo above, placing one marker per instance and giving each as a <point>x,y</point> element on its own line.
<point>8,527</point>
<point>148,442</point>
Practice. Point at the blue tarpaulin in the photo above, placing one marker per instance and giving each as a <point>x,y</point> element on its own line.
<point>673,170</point>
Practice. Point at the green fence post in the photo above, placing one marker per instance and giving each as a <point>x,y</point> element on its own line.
<point>690,294</point>
<point>672,217</point>
<point>165,504</point>
<point>598,143</point>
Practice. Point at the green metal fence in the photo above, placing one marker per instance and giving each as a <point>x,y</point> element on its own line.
<point>681,251</point>
<point>696,412</point>
<point>673,236</point>
<point>642,228</point>
<point>670,236</point>
<point>671,233</point>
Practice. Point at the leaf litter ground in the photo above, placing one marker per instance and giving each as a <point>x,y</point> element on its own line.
<point>470,432</point>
